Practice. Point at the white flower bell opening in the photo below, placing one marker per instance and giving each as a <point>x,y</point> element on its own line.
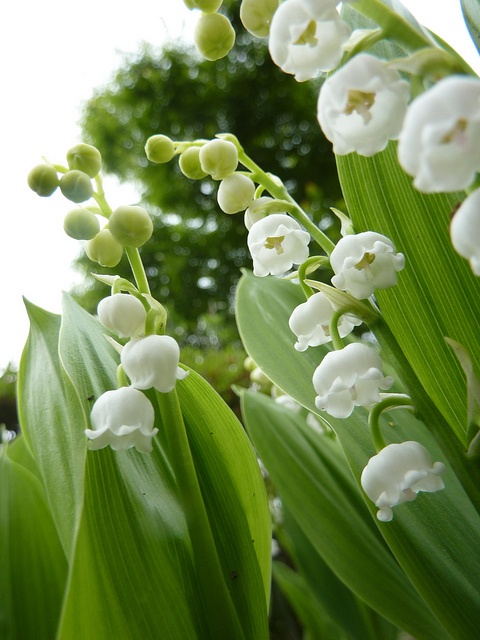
<point>362,106</point>
<point>438,145</point>
<point>348,378</point>
<point>310,322</point>
<point>122,419</point>
<point>123,314</point>
<point>235,193</point>
<point>153,362</point>
<point>465,230</point>
<point>276,243</point>
<point>307,38</point>
<point>365,262</point>
<point>397,474</point>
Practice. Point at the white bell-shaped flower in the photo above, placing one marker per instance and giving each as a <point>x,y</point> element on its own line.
<point>235,193</point>
<point>123,314</point>
<point>348,378</point>
<point>465,230</point>
<point>362,106</point>
<point>276,243</point>
<point>122,419</point>
<point>153,362</point>
<point>439,144</point>
<point>253,213</point>
<point>365,262</point>
<point>310,322</point>
<point>307,38</point>
<point>397,474</point>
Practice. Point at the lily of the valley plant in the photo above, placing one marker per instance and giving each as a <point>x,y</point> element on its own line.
<point>145,494</point>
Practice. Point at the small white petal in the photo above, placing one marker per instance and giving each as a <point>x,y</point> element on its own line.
<point>153,362</point>
<point>123,314</point>
<point>397,473</point>
<point>362,106</point>
<point>276,243</point>
<point>122,419</point>
<point>465,230</point>
<point>438,144</point>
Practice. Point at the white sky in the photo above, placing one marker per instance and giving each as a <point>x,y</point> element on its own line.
<point>53,55</point>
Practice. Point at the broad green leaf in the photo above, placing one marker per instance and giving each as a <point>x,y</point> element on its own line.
<point>431,538</point>
<point>33,565</point>
<point>313,480</point>
<point>437,295</point>
<point>52,422</point>
<point>133,567</point>
<point>336,602</point>
<point>471,14</point>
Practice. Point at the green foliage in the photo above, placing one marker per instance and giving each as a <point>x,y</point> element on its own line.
<point>196,251</point>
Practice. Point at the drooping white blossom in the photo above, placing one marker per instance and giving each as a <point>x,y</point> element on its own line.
<point>397,474</point>
<point>307,37</point>
<point>310,322</point>
<point>365,262</point>
<point>122,419</point>
<point>276,243</point>
<point>152,361</point>
<point>253,214</point>
<point>362,106</point>
<point>288,402</point>
<point>439,143</point>
<point>465,230</point>
<point>348,378</point>
<point>123,314</point>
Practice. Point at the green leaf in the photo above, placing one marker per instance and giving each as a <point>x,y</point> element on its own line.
<point>33,565</point>
<point>431,538</point>
<point>133,569</point>
<point>52,422</point>
<point>471,14</point>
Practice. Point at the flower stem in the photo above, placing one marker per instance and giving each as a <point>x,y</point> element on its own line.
<point>138,270</point>
<point>220,612</point>
<point>394,401</point>
<point>337,342</point>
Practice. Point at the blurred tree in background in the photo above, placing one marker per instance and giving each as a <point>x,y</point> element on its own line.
<point>195,256</point>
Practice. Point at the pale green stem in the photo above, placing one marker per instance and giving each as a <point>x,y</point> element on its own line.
<point>138,270</point>
<point>392,402</point>
<point>337,342</point>
<point>220,611</point>
<point>279,192</point>
<point>303,271</point>
<point>99,197</point>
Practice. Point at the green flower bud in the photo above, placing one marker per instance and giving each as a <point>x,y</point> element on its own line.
<point>256,16</point>
<point>104,249</point>
<point>86,158</point>
<point>207,6</point>
<point>235,193</point>
<point>130,226</point>
<point>76,186</point>
<point>81,224</point>
<point>219,158</point>
<point>43,180</point>
<point>214,36</point>
<point>159,149</point>
<point>189,164</point>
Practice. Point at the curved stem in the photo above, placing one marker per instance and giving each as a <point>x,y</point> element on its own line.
<point>220,613</point>
<point>138,270</point>
<point>395,401</point>
<point>337,342</point>
<point>306,267</point>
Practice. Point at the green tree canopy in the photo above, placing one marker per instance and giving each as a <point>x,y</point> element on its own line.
<point>195,256</point>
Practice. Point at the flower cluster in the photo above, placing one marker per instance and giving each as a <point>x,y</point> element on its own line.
<point>124,418</point>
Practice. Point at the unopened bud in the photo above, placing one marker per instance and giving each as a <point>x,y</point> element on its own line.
<point>219,158</point>
<point>207,6</point>
<point>189,164</point>
<point>76,186</point>
<point>81,224</point>
<point>214,36</point>
<point>104,249</point>
<point>256,16</point>
<point>86,158</point>
<point>235,193</point>
<point>43,180</point>
<point>131,226</point>
<point>159,149</point>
